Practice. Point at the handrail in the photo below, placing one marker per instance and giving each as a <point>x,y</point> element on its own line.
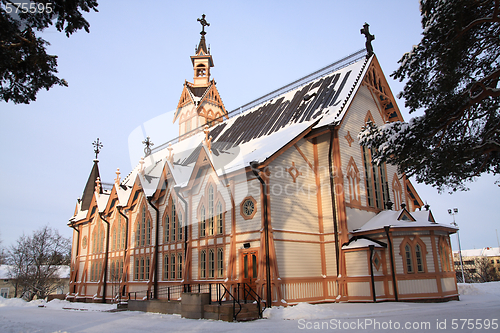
<point>235,300</point>
<point>256,298</point>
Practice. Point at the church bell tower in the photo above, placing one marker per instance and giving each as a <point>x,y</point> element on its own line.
<point>200,103</point>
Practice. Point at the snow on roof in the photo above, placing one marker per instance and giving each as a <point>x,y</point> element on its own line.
<point>80,215</point>
<point>102,201</point>
<point>260,132</point>
<point>390,218</point>
<point>484,252</point>
<point>352,75</point>
<point>360,243</point>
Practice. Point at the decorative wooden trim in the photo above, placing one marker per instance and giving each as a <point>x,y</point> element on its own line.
<point>349,138</point>
<point>412,243</point>
<point>248,217</point>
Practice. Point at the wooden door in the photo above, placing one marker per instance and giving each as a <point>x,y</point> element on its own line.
<point>249,267</point>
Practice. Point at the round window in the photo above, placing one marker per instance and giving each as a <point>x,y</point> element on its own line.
<point>84,242</point>
<point>248,207</point>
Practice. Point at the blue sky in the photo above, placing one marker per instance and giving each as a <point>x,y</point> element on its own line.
<point>131,68</point>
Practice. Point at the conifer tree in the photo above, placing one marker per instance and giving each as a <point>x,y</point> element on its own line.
<point>452,76</point>
<point>25,66</point>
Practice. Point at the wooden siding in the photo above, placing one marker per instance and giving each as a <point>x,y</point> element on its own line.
<point>423,286</point>
<point>293,204</point>
<point>358,289</point>
<point>357,263</point>
<point>296,291</point>
<point>331,264</point>
<point>298,259</point>
<point>448,284</point>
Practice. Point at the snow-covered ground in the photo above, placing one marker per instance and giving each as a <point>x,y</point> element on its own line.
<point>477,310</point>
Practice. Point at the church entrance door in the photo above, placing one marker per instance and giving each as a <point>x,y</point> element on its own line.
<point>249,267</point>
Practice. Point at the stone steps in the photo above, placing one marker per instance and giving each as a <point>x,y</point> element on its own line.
<point>224,312</point>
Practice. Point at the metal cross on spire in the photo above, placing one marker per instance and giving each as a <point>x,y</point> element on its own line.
<point>204,24</point>
<point>97,147</point>
<point>369,38</point>
<point>149,144</point>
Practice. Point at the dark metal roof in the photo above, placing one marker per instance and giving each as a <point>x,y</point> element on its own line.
<point>276,114</point>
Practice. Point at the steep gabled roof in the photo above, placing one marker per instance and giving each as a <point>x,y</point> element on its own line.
<point>267,127</point>
<point>89,189</point>
<point>393,218</point>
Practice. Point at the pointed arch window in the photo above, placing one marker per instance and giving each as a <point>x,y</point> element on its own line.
<point>166,229</point>
<point>413,253</point>
<point>397,191</point>
<point>444,255</point>
<point>353,179</point>
<point>98,237</point>
<point>210,210</point>
<point>165,267</point>
<point>174,221</point>
<point>408,258</point>
<point>179,228</point>
<point>203,223</point>
<point>376,186</point>
<point>220,224</point>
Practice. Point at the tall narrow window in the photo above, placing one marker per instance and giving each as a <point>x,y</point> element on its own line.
<point>203,223</point>
<point>136,269</point>
<point>220,262</point>
<point>376,181</point>
<point>211,263</point>
<point>100,271</point>
<point>174,220</point>
<point>444,255</point>
<point>397,191</point>
<point>141,269</point>
<point>210,210</point>
<point>172,266</point>
<point>113,242</point>
<point>166,229</point>
<point>219,219</point>
<point>353,179</point>
<point>179,265</point>
<point>146,269</point>
<point>112,277</point>
<point>148,232</point>
<point>203,263</point>
<point>368,176</point>
<point>138,234</point>
<point>143,227</point>
<point>179,233</point>
<point>165,267</point>
<point>408,257</point>
<point>418,256</point>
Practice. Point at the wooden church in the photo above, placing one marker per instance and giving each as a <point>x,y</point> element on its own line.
<point>277,199</point>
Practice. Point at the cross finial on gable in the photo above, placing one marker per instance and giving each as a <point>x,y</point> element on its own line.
<point>98,185</point>
<point>369,38</point>
<point>204,24</point>
<point>149,144</point>
<point>208,140</point>
<point>141,170</point>
<point>97,147</point>
<point>170,156</point>
<point>117,179</point>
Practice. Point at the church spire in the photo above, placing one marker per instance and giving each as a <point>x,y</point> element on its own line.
<point>202,60</point>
